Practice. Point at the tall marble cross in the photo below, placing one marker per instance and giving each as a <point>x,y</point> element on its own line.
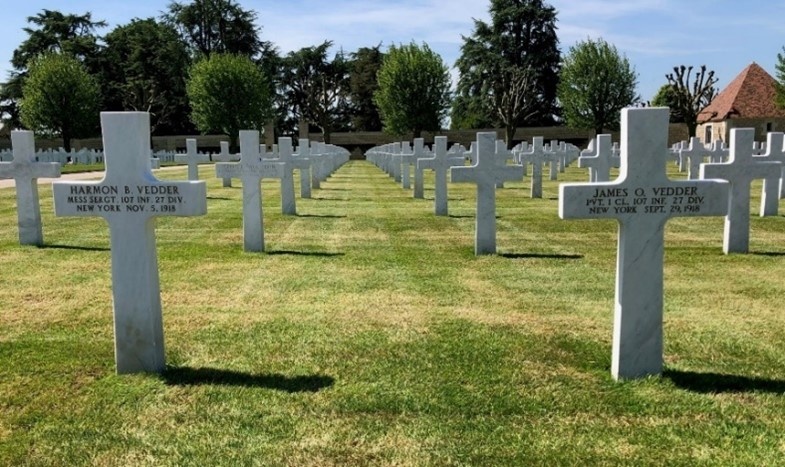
<point>407,160</point>
<point>486,173</point>
<point>26,171</point>
<point>773,189</point>
<point>303,162</point>
<point>536,156</point>
<point>193,158</point>
<point>599,159</point>
<point>130,198</point>
<point>740,170</point>
<point>419,179</point>
<point>251,170</point>
<point>642,199</point>
<point>440,164</point>
<point>290,162</point>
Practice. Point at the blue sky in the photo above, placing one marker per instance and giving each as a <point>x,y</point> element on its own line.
<point>725,35</point>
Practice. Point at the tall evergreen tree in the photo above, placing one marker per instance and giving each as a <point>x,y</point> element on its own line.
<point>365,64</point>
<point>316,88</point>
<point>216,26</point>
<point>509,68</point>
<point>780,72</point>
<point>144,66</point>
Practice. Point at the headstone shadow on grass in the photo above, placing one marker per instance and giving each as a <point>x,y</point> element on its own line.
<point>187,376</point>
<point>540,256</point>
<point>322,216</point>
<point>720,383</point>
<point>304,253</point>
<point>73,247</point>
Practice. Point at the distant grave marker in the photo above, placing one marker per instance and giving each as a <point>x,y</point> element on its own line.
<point>740,170</point>
<point>26,171</point>
<point>485,173</point>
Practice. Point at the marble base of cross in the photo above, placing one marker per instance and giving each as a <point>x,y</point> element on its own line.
<point>130,198</point>
<point>740,170</point>
<point>486,173</point>
<point>642,199</point>
<point>26,171</point>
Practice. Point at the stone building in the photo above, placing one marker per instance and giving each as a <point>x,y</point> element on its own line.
<point>749,101</point>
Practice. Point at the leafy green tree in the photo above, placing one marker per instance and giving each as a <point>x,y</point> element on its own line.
<point>780,72</point>
<point>665,97</point>
<point>144,65</point>
<point>60,97</point>
<point>596,84</point>
<point>228,93</point>
<point>316,89</point>
<point>509,68</point>
<point>414,90</point>
<point>216,26</point>
<point>50,31</point>
<point>365,64</point>
<point>691,94</point>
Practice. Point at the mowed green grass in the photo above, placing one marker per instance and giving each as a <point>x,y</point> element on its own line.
<point>370,334</point>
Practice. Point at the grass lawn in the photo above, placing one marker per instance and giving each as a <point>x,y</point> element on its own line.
<point>370,334</point>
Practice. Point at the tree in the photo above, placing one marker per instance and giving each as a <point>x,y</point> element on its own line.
<point>509,69</point>
<point>60,97</point>
<point>665,97</point>
<point>316,88</point>
<point>228,93</point>
<point>691,95</point>
<point>52,31</point>
<point>365,64</point>
<point>144,65</point>
<point>216,26</point>
<point>596,83</point>
<point>780,71</point>
<point>414,90</point>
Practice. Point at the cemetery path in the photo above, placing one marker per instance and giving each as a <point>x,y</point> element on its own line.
<point>10,183</point>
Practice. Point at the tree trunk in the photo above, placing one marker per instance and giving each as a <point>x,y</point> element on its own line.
<point>509,135</point>
<point>66,139</point>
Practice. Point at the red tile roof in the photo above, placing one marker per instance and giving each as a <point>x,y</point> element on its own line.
<point>750,95</point>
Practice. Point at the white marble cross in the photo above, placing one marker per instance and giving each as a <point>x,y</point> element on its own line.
<point>225,156</point>
<point>303,162</point>
<point>536,156</point>
<point>286,157</point>
<point>694,152</point>
<point>599,159</point>
<point>718,152</point>
<point>193,158</point>
<point>407,159</point>
<point>440,164</point>
<point>419,181</point>
<point>740,170</point>
<point>773,189</point>
<point>251,170</point>
<point>486,173</point>
<point>25,171</point>
<point>642,199</point>
<point>130,198</point>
